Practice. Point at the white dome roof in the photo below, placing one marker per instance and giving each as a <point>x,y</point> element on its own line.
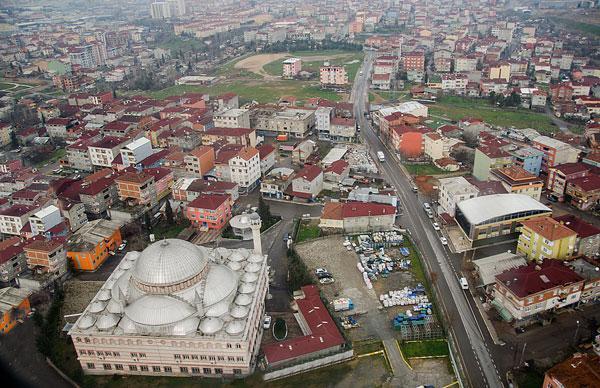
<point>86,321</point>
<point>97,306</point>
<point>186,326</point>
<point>107,321</point>
<point>239,312</point>
<point>104,294</point>
<point>252,267</point>
<point>243,300</point>
<point>157,310</point>
<point>234,265</point>
<point>247,288</point>
<point>249,277</point>
<point>235,327</point>
<point>236,256</point>
<point>114,307</point>
<point>221,282</point>
<point>211,325</point>
<point>169,262</point>
<point>218,309</point>
<point>256,258</point>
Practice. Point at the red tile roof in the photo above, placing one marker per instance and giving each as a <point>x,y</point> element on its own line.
<point>324,333</point>
<point>209,201</point>
<point>17,210</point>
<point>337,167</point>
<point>332,211</point>
<point>364,209</point>
<point>309,172</point>
<point>582,228</point>
<point>586,183</point>
<point>533,278</point>
<point>548,228</point>
<point>572,168</point>
<point>265,150</point>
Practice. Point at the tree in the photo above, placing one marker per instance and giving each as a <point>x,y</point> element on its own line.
<point>169,212</point>
<point>263,210</point>
<point>114,93</point>
<point>14,142</point>
<point>147,221</point>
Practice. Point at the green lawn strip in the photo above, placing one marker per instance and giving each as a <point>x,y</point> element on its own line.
<point>163,230</point>
<point>308,232</point>
<point>54,156</point>
<point>423,169</point>
<point>593,29</point>
<point>425,348</point>
<point>456,108</point>
<point>6,86</point>
<point>366,347</point>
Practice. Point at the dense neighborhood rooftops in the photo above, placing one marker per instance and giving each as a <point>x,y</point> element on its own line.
<point>309,172</point>
<point>579,370</point>
<point>582,228</point>
<point>548,228</point>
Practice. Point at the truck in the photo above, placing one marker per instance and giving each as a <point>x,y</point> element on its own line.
<point>380,156</point>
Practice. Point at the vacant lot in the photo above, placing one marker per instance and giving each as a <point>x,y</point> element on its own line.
<point>311,63</point>
<point>423,169</point>
<point>433,348</point>
<point>456,108</point>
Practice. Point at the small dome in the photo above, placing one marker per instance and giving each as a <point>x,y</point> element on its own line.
<point>236,256</point>
<point>234,265</point>
<point>256,258</point>
<point>97,307</point>
<point>185,327</point>
<point>169,262</point>
<point>107,321</point>
<point>221,282</point>
<point>243,300</point>
<point>235,327</point>
<point>245,252</point>
<point>223,252</point>
<point>249,277</point>
<point>86,321</point>
<point>252,267</point>
<point>127,325</point>
<point>218,309</point>
<point>247,288</point>
<point>103,295</point>
<point>126,264</point>
<point>211,325</point>
<point>114,307</point>
<point>157,310</point>
<point>239,312</point>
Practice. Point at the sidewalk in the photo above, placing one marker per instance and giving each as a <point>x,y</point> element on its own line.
<point>488,323</point>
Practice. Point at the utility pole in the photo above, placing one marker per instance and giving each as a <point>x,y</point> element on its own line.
<point>523,353</point>
<point>576,334</point>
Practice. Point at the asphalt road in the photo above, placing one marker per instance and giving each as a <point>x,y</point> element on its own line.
<point>462,321</point>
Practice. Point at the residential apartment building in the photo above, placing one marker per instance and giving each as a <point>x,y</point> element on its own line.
<point>333,76</point>
<point>103,152</point>
<point>545,238</point>
<point>342,129</point>
<point>78,157</point>
<point>584,192</point>
<point>453,191</point>
<point>465,64</point>
<point>241,136</point>
<point>209,211</point>
<point>91,245</point>
<point>588,236</point>
<point>516,180</point>
<point>529,159</point>
<point>308,182</point>
<point>536,288</point>
<point>436,146</point>
<point>488,158</point>
<point>12,259</point>
<point>356,217</point>
<point>555,152</point>
<point>200,160</point>
<point>455,83</point>
<point>14,218</point>
<point>137,188</point>
<point>414,60</point>
<point>292,67</point>
<point>98,195</point>
<point>136,151</point>
<point>15,307</point>
<point>46,256</point>
<point>499,71</point>
<point>44,220</point>
<point>559,175</point>
<point>163,181</point>
<point>245,168</point>
<point>267,154</point>
<point>295,123</point>
<point>232,118</point>
<point>579,370</point>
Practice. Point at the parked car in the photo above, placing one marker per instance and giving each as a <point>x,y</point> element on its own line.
<point>436,226</point>
<point>444,241</point>
<point>321,270</point>
<point>463,283</point>
<point>324,275</point>
<point>415,189</point>
<point>122,246</point>
<point>430,214</point>
<point>326,280</point>
<point>267,322</point>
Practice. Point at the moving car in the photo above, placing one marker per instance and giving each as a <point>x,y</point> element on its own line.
<point>463,283</point>
<point>444,241</point>
<point>415,189</point>
<point>436,226</point>
<point>267,322</point>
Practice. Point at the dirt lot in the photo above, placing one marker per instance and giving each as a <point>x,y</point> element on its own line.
<point>255,63</point>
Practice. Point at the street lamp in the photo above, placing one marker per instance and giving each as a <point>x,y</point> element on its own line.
<point>576,334</point>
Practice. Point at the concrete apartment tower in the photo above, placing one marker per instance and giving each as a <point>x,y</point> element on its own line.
<point>255,224</point>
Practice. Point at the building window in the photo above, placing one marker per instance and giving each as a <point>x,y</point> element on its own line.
<point>240,358</point>
<point>116,354</point>
<point>168,369</point>
<point>177,356</point>
<point>119,366</point>
<point>195,370</point>
<point>142,355</point>
<point>221,358</point>
<point>203,357</point>
<point>186,356</point>
<point>230,358</point>
<point>207,371</point>
<point>194,356</point>
<point>134,354</point>
<point>228,346</point>
<point>100,353</point>
<point>211,358</point>
<point>237,371</point>
<point>133,368</point>
<point>218,371</point>
<point>156,368</point>
<point>144,368</point>
<point>90,365</point>
<point>107,366</point>
<point>238,346</point>
<point>183,369</point>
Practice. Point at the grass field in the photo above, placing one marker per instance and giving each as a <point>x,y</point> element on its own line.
<point>431,348</point>
<point>306,232</point>
<point>263,92</point>
<point>177,43</point>
<point>275,67</point>
<point>5,86</point>
<point>423,169</point>
<point>587,28</point>
<point>456,108</point>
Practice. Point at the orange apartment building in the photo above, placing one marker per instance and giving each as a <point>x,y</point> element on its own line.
<point>519,181</point>
<point>91,245</point>
<point>579,370</point>
<point>137,188</point>
<point>413,61</point>
<point>47,256</point>
<point>209,211</point>
<point>200,160</point>
<point>14,306</point>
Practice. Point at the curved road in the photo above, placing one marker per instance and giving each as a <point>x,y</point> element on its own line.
<point>477,363</point>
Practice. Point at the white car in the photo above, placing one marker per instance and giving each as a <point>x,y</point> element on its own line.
<point>267,322</point>
<point>122,246</point>
<point>444,241</point>
<point>321,270</point>
<point>326,280</point>
<point>436,226</point>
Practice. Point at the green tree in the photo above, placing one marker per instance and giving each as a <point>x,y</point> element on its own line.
<point>264,211</point>
<point>147,221</point>
<point>169,212</point>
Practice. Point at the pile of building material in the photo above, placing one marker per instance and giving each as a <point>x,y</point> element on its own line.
<point>412,319</point>
<point>360,161</point>
<point>343,304</point>
<point>349,322</point>
<point>406,296</point>
<point>380,240</point>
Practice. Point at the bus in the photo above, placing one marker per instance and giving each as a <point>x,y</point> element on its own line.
<point>381,156</point>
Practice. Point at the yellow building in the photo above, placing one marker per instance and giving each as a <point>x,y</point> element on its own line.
<point>545,238</point>
<point>5,134</point>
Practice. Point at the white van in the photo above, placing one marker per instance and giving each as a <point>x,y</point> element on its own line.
<point>463,283</point>
<point>426,206</point>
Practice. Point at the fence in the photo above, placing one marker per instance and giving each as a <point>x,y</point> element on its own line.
<point>309,365</point>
